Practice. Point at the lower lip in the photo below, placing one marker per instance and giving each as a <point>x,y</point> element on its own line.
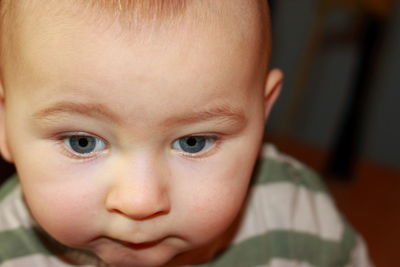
<point>139,246</point>
<point>142,245</point>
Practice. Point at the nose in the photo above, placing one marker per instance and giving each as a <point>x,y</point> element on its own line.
<point>140,193</point>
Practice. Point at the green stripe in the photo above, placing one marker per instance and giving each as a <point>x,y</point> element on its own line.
<point>259,250</point>
<point>27,241</point>
<point>9,185</point>
<point>269,170</point>
<point>291,246</point>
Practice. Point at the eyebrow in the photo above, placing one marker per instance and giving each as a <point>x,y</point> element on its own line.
<point>93,110</point>
<point>223,113</point>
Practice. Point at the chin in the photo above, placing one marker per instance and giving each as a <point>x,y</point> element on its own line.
<point>141,258</point>
<point>126,262</point>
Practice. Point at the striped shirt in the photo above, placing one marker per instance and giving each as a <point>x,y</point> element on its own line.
<point>288,220</point>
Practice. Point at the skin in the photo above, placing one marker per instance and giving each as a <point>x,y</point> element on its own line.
<point>139,200</point>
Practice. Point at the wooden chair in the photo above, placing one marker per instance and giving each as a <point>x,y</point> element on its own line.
<point>372,17</point>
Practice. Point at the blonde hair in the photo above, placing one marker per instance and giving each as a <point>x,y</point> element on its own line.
<point>130,13</point>
<point>152,8</point>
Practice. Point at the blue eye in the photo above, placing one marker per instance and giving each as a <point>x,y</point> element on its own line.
<point>84,144</point>
<point>193,144</point>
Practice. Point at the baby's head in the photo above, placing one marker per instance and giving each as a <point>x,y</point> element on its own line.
<point>135,125</point>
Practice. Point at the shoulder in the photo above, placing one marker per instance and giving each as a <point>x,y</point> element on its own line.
<point>21,241</point>
<point>24,243</point>
<point>13,212</point>
<point>290,217</point>
<point>16,225</point>
<point>275,167</point>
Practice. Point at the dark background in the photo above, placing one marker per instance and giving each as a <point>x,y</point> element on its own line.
<point>341,59</point>
<point>339,109</point>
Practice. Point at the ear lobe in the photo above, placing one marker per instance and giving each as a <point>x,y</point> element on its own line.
<point>4,148</point>
<point>273,86</point>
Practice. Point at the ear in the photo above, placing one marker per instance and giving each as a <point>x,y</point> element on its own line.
<point>4,148</point>
<point>273,86</point>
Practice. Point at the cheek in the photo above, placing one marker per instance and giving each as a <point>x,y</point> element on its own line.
<point>214,202</point>
<point>61,201</point>
<point>217,188</point>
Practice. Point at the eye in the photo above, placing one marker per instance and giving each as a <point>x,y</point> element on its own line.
<point>84,144</point>
<point>193,144</point>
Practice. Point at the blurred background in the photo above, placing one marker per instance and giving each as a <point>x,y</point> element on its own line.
<point>339,109</point>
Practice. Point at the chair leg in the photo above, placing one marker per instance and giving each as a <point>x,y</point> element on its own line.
<point>345,149</point>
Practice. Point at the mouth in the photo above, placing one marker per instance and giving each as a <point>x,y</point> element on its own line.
<point>138,246</point>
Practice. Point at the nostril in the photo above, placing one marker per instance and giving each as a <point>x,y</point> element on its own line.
<point>139,217</point>
<point>115,211</point>
<point>157,214</point>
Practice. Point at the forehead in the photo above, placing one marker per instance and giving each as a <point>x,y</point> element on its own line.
<point>192,59</point>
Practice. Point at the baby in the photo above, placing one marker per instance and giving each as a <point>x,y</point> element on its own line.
<point>135,127</point>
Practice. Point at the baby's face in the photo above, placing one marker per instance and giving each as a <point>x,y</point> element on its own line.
<point>138,148</point>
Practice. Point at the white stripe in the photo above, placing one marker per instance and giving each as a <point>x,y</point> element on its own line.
<point>269,151</point>
<point>359,255</point>
<point>285,206</point>
<point>13,212</point>
<point>285,263</point>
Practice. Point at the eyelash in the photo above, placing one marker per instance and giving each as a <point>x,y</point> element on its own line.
<point>208,152</point>
<point>72,154</point>
<point>212,149</point>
